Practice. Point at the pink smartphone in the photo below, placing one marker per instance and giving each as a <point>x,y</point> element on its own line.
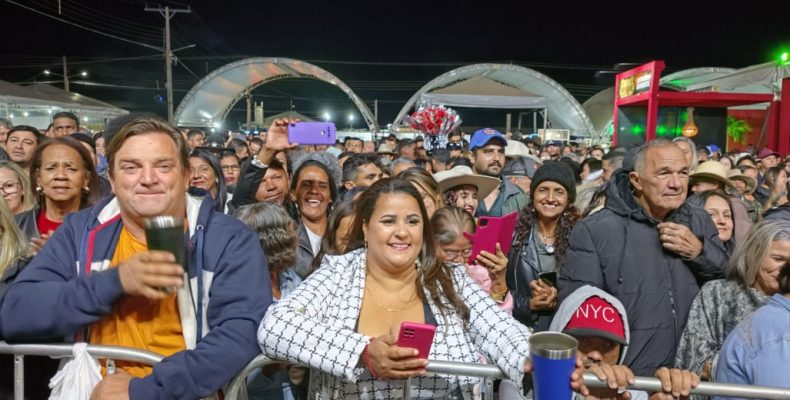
<point>490,231</point>
<point>312,133</point>
<point>417,336</point>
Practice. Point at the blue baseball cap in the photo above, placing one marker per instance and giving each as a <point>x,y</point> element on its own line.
<point>485,135</point>
<point>712,148</point>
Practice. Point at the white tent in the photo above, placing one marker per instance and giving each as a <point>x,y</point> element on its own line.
<point>503,86</point>
<point>484,93</point>
<point>34,105</point>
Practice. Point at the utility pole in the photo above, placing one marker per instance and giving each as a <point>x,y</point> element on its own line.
<point>65,75</point>
<point>168,13</point>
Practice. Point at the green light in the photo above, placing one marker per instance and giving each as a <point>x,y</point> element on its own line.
<point>661,130</point>
<point>637,129</point>
<point>784,57</point>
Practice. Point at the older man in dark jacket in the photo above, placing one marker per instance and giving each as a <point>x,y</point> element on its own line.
<point>648,248</point>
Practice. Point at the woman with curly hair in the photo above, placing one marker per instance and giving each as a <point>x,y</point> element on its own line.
<point>539,244</point>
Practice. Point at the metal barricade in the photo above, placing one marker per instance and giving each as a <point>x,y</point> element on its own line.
<point>235,388</point>
<point>60,350</point>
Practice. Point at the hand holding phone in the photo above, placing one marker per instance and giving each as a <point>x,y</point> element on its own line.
<point>417,336</point>
<point>549,278</point>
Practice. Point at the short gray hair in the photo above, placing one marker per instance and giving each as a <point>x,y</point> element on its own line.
<point>693,147</point>
<point>750,252</point>
<point>641,152</point>
<point>402,161</point>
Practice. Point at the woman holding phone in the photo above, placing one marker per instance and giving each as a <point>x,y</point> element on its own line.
<point>540,241</point>
<point>341,320</point>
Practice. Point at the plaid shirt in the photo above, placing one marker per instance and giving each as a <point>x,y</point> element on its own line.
<point>314,326</point>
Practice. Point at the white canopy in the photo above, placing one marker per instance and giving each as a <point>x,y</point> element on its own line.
<point>481,92</point>
<point>503,86</point>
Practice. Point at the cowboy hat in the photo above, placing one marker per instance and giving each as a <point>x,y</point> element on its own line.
<point>737,175</point>
<point>711,170</point>
<point>463,175</point>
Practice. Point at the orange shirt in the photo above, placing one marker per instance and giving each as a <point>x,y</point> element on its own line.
<point>138,322</point>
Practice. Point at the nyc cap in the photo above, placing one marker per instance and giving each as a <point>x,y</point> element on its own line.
<point>597,317</point>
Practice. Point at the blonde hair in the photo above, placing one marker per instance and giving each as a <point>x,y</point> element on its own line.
<point>28,199</point>
<point>13,243</point>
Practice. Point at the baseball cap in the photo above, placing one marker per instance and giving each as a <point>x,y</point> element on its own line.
<point>597,317</point>
<point>485,135</point>
<point>520,166</point>
<point>557,143</point>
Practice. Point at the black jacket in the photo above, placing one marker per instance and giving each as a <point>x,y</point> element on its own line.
<point>778,213</point>
<point>617,249</point>
<point>523,267</point>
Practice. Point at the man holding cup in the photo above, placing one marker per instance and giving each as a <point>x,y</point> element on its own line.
<point>97,279</point>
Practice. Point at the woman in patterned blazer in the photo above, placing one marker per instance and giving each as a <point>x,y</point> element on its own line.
<point>342,320</point>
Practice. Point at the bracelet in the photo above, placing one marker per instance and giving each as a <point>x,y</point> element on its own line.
<point>366,356</point>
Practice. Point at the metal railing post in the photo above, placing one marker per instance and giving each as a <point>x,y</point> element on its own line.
<point>19,377</point>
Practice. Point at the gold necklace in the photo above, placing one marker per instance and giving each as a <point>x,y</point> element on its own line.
<point>546,238</point>
<point>405,305</point>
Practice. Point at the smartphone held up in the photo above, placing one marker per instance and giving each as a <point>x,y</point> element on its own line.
<point>312,133</point>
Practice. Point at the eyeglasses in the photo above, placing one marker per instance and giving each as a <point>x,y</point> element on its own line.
<point>230,167</point>
<point>453,254</point>
<point>10,187</point>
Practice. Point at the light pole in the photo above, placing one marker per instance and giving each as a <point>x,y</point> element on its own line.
<point>351,121</point>
<point>83,74</point>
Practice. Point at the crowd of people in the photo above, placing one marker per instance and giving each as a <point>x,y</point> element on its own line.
<point>667,260</point>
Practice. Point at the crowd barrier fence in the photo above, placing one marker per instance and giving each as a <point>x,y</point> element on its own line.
<point>236,388</point>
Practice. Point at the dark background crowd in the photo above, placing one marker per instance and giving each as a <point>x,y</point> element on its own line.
<point>662,260</point>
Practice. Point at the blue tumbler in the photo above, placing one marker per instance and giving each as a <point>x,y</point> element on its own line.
<point>553,357</point>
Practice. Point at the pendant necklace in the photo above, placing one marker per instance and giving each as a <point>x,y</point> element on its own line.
<point>546,239</point>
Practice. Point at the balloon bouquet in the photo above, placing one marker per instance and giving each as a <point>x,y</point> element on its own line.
<point>436,122</point>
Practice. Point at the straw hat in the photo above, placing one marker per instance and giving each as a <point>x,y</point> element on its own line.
<point>515,149</point>
<point>712,170</point>
<point>463,175</point>
<point>737,175</point>
<point>384,148</point>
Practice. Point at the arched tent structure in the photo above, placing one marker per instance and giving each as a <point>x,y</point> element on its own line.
<point>600,107</point>
<point>537,91</point>
<point>212,98</point>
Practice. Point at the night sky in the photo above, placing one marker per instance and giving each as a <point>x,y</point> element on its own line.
<point>383,50</point>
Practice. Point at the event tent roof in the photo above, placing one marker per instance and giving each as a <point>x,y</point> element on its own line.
<point>532,86</point>
<point>483,92</point>
<point>210,100</point>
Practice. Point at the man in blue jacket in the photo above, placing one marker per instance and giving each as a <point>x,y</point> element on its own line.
<point>96,280</point>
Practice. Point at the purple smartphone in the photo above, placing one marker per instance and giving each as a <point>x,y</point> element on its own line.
<point>417,336</point>
<point>312,133</point>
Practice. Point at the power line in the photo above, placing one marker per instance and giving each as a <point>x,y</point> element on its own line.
<point>84,27</point>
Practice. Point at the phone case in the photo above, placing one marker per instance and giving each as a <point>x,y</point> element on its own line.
<point>491,230</point>
<point>549,277</point>
<point>417,336</point>
<point>312,133</point>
